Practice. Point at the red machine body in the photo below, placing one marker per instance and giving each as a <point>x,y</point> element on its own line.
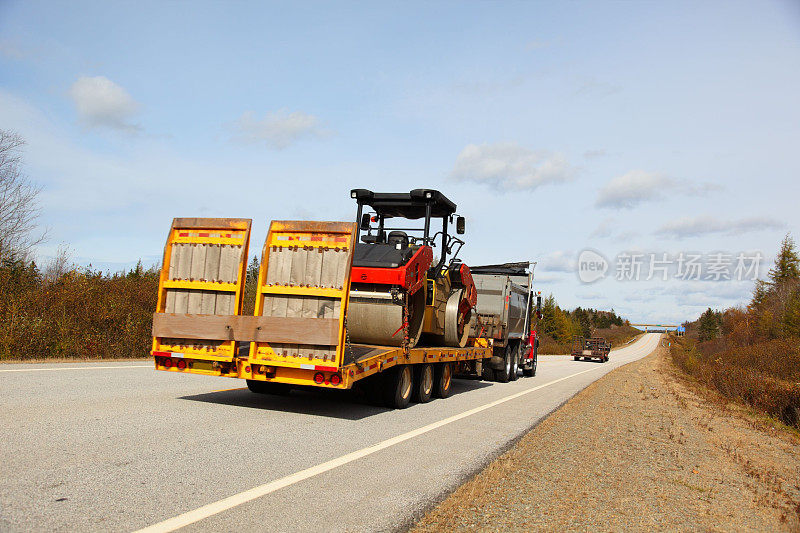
<point>410,276</point>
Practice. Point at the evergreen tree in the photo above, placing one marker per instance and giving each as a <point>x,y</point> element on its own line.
<point>791,316</point>
<point>787,264</point>
<point>760,293</point>
<point>709,325</point>
<point>252,270</point>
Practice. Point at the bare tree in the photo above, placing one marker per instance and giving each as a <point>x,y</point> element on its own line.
<point>19,208</point>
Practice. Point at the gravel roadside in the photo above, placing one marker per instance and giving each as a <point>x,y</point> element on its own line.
<point>637,449</point>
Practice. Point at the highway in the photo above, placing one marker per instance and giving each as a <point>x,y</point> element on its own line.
<point>121,447</point>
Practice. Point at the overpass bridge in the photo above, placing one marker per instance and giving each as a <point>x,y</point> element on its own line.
<point>661,328</point>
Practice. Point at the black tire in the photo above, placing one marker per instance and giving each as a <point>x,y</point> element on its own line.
<point>398,385</point>
<point>487,374</point>
<point>577,358</point>
<point>442,380</point>
<point>530,372</point>
<point>266,387</point>
<point>504,374</point>
<point>514,373</point>
<point>423,383</point>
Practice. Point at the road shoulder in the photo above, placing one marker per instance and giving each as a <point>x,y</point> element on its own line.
<point>636,449</point>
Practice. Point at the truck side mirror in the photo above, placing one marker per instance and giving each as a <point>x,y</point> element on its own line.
<point>365,219</point>
<point>461,225</point>
<point>539,307</point>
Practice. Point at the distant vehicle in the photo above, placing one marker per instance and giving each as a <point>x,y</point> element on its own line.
<point>591,348</point>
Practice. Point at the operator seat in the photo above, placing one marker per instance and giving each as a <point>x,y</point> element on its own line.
<point>398,237</point>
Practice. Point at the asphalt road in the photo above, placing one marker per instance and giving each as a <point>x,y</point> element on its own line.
<point>119,447</point>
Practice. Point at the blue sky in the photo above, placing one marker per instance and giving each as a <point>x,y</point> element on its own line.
<point>555,127</point>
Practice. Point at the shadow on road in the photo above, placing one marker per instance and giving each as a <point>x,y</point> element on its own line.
<point>347,404</point>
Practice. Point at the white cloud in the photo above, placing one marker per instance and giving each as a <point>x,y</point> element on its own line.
<point>509,166</point>
<point>102,103</point>
<point>592,296</point>
<point>706,225</point>
<point>639,186</point>
<point>277,130</point>
<point>549,278</point>
<point>633,188</point>
<point>559,261</point>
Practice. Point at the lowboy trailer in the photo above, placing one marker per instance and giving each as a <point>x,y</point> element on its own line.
<point>299,335</point>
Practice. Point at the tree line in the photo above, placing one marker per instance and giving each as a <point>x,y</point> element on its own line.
<point>752,353</point>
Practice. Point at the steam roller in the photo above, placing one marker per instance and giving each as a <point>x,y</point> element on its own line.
<point>400,294</point>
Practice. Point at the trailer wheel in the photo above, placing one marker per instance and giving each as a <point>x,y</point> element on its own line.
<point>423,383</point>
<point>530,372</point>
<point>443,380</point>
<point>504,374</point>
<point>577,358</point>
<point>514,375</point>
<point>266,387</point>
<point>398,385</point>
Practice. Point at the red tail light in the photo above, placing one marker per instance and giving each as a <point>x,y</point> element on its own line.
<point>181,364</point>
<point>167,362</point>
<point>319,378</point>
<point>335,379</point>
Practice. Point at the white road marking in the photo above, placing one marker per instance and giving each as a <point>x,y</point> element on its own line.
<point>74,368</point>
<point>211,509</point>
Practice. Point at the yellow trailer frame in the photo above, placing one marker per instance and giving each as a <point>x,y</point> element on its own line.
<point>298,335</point>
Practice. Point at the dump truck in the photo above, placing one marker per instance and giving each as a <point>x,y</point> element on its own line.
<point>383,304</point>
<point>503,314</point>
<point>591,348</point>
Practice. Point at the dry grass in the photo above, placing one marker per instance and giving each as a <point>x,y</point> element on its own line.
<point>80,314</point>
<point>764,375</point>
<point>656,456</point>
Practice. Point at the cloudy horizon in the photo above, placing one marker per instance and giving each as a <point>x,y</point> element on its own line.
<point>617,127</point>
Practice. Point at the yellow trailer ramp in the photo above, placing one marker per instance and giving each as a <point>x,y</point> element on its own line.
<point>202,281</point>
<point>301,303</point>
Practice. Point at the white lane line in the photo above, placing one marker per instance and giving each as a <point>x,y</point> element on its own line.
<point>211,509</point>
<point>74,368</point>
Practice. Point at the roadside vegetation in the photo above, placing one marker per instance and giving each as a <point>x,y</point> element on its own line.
<point>55,310</point>
<point>75,313</point>
<point>752,354</point>
<point>558,327</point>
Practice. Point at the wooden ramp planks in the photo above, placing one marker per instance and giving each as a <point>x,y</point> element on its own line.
<point>305,274</point>
<point>203,273</point>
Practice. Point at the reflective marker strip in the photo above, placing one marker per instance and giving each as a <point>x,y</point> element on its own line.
<point>315,367</point>
<point>168,354</point>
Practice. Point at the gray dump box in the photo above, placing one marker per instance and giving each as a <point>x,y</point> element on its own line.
<point>503,313</point>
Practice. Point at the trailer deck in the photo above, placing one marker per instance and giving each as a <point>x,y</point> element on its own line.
<point>298,335</point>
